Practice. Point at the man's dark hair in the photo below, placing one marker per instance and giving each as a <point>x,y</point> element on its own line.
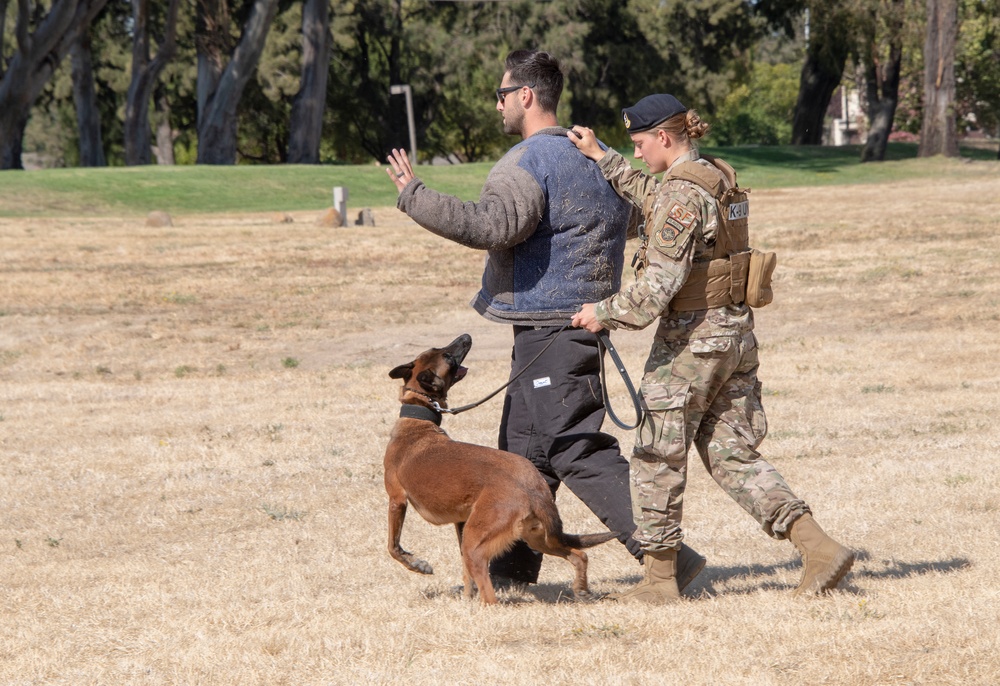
<point>528,67</point>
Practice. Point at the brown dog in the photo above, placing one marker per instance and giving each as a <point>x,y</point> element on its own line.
<point>494,498</point>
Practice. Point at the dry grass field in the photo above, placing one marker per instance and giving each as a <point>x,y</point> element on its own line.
<point>192,422</point>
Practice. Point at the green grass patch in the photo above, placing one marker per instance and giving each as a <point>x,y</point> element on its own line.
<point>878,388</point>
<point>196,189</point>
<point>282,514</point>
<point>785,166</point>
<point>184,370</point>
<point>957,480</point>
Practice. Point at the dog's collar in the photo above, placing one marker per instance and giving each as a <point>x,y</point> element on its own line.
<point>420,412</point>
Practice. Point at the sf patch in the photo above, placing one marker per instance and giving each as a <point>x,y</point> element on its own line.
<point>678,222</point>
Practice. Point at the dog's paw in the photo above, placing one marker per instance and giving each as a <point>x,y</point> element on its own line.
<point>587,596</point>
<point>415,564</point>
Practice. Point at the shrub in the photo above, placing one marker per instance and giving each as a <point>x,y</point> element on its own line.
<point>760,111</point>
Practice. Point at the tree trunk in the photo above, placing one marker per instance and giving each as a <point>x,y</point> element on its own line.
<point>12,125</point>
<point>32,65</point>
<point>213,44</point>
<point>880,116</point>
<point>816,88</point>
<point>822,71</point>
<point>3,33</point>
<point>88,118</point>
<point>145,73</point>
<point>938,132</point>
<point>164,131</point>
<point>310,102</point>
<point>219,96</point>
<point>882,86</point>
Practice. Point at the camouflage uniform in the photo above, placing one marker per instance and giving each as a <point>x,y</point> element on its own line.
<point>700,382</point>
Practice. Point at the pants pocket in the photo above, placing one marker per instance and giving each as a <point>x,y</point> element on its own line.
<point>755,415</point>
<point>746,416</point>
<point>663,431</point>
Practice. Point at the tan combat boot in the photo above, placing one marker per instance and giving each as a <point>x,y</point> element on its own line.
<point>660,585</point>
<point>824,561</point>
<point>689,565</point>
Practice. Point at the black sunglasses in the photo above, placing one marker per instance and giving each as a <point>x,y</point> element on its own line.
<point>502,92</point>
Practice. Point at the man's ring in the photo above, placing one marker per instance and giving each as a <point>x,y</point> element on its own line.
<point>400,174</point>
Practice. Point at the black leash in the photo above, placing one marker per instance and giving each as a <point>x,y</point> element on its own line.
<point>512,379</point>
<point>604,341</point>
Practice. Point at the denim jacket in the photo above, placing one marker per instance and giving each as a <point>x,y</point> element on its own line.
<point>554,231</point>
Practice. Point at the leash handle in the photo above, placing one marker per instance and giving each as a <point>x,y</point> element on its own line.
<point>604,342</point>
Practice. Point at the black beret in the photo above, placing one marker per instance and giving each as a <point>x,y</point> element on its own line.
<point>650,111</point>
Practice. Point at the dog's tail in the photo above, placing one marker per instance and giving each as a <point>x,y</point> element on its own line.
<point>587,540</point>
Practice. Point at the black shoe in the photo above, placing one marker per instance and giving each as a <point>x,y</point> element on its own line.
<point>505,583</point>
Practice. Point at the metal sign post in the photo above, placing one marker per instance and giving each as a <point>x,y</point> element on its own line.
<point>404,89</point>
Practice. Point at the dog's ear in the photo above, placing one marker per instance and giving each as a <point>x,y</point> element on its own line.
<point>430,381</point>
<point>403,371</point>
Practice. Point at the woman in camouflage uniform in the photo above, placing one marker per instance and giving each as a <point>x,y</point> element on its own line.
<point>700,383</point>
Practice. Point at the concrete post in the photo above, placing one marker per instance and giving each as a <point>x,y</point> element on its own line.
<point>340,203</point>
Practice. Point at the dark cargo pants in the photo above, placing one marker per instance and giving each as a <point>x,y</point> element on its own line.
<point>552,415</point>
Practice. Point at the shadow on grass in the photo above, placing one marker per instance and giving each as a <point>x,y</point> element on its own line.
<point>894,569</point>
<point>705,585</point>
<point>550,594</point>
<point>863,568</point>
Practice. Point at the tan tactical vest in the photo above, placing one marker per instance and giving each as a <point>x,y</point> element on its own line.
<point>722,279</point>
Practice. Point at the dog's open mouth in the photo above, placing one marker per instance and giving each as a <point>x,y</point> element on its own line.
<point>460,373</point>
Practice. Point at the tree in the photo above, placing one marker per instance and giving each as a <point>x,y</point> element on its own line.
<point>309,104</point>
<point>38,54</point>
<point>463,48</point>
<point>370,55</point>
<point>705,45</point>
<point>265,112</point>
<point>978,64</point>
<point>829,45</point>
<point>881,57</point>
<point>175,101</point>
<point>223,73</point>
<point>145,76</point>
<point>609,65</point>
<point>88,117</point>
<point>939,133</point>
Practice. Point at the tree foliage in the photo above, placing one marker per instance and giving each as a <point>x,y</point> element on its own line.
<point>270,81</point>
<point>978,65</point>
<point>759,112</point>
<point>705,45</point>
